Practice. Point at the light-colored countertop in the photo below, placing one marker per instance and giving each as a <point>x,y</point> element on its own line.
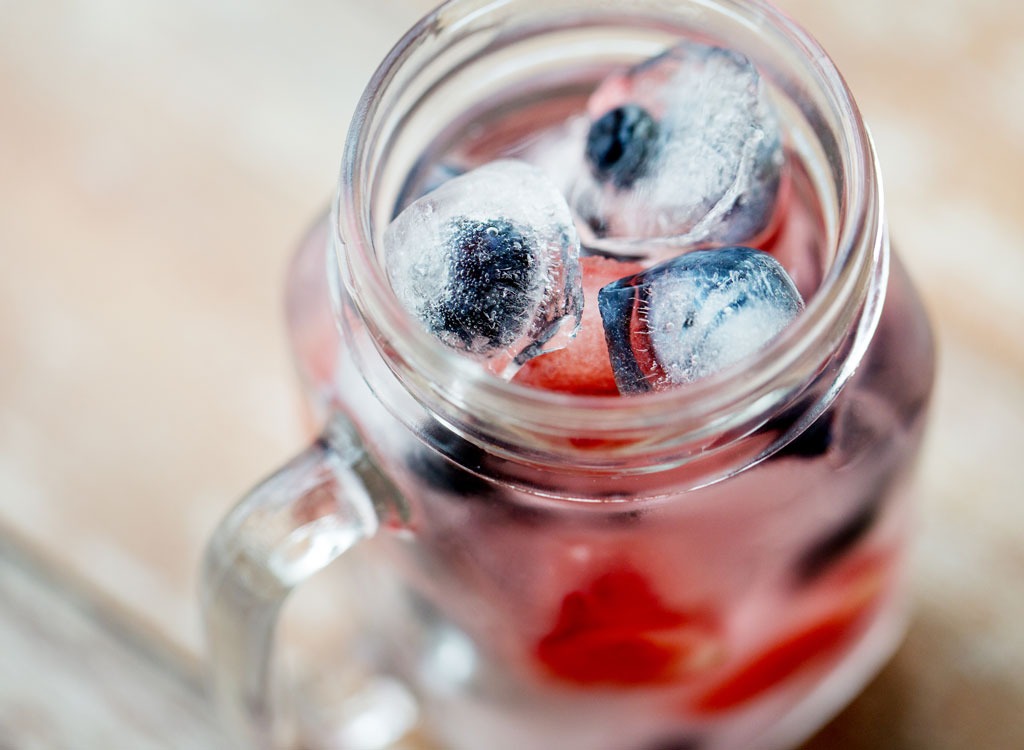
<point>158,162</point>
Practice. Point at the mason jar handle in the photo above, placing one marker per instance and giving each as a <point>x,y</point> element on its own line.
<point>286,529</point>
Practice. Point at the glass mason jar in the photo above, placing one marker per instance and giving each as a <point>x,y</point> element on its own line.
<point>713,567</point>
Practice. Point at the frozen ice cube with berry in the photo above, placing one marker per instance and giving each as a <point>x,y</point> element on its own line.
<point>489,263</point>
<point>683,149</point>
<point>679,152</point>
<point>694,315</point>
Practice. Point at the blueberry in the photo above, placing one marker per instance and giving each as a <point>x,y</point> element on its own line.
<point>447,467</point>
<point>676,743</point>
<point>621,143</point>
<point>488,298</point>
<point>425,177</point>
<point>836,542</point>
<point>442,469</point>
<point>812,442</point>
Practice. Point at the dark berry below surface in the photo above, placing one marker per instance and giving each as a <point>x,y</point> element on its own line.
<point>620,145</point>
<point>488,296</point>
<point>812,442</point>
<point>835,543</point>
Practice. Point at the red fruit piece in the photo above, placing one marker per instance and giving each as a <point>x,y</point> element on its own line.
<point>864,584</point>
<point>617,632</point>
<point>583,367</point>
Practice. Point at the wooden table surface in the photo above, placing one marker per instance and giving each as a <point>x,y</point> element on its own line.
<point>158,162</point>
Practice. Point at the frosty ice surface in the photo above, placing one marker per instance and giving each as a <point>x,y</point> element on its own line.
<point>685,148</point>
<point>488,262</point>
<point>694,315</point>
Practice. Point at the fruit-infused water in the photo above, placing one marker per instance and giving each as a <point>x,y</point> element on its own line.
<point>725,603</point>
<point>713,567</point>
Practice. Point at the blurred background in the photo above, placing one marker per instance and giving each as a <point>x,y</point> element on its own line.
<point>158,163</point>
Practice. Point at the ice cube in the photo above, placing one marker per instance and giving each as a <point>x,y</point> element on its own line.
<point>489,264</point>
<point>426,178</point>
<point>683,149</point>
<point>694,315</point>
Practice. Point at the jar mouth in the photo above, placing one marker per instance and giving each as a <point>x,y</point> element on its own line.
<point>457,389</point>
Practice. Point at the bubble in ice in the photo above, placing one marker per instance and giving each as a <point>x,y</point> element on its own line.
<point>694,315</point>
<point>684,148</point>
<point>489,263</point>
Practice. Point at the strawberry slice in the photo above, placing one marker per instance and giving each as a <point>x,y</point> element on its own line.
<point>617,632</point>
<point>583,367</point>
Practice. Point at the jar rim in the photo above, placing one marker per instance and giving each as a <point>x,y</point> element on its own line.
<point>498,412</point>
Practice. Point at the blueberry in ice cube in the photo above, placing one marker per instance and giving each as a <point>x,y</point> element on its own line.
<point>677,743</point>
<point>447,465</point>
<point>812,442</point>
<point>700,123</point>
<point>490,277</point>
<point>694,315</point>
<point>443,466</point>
<point>621,143</point>
<point>836,542</point>
<point>489,264</point>
<point>423,178</point>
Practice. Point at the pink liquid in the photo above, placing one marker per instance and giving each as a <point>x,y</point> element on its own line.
<point>524,613</point>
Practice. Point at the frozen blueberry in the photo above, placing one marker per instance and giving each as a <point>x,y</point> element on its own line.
<point>621,143</point>
<point>676,743</point>
<point>489,264</point>
<point>693,315</point>
<point>812,442</point>
<point>487,298</point>
<point>836,542</point>
<point>447,467</point>
<point>425,177</point>
<point>685,149</point>
<point>442,469</point>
